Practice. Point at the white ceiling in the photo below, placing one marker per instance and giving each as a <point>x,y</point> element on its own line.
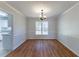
<point>33,8</point>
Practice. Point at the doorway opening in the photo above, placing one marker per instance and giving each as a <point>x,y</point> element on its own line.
<point>5,32</point>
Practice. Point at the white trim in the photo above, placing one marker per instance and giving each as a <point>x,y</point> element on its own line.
<point>70,8</point>
<point>68,47</point>
<point>13,8</point>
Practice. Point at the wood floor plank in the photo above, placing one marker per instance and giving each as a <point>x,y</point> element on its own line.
<point>41,48</point>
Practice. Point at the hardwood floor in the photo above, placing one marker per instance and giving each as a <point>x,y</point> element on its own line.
<point>41,48</point>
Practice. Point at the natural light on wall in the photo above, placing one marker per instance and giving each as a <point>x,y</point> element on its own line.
<point>3,14</point>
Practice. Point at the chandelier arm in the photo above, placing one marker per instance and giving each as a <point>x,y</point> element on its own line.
<point>42,16</point>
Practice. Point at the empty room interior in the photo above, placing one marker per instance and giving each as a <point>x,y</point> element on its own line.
<point>39,28</point>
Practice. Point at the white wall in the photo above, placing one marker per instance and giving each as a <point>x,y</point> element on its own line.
<point>19,29</point>
<point>19,24</point>
<point>51,25</point>
<point>68,28</point>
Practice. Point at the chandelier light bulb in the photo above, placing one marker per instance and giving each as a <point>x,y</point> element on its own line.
<point>42,16</point>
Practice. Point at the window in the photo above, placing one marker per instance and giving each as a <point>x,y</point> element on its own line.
<point>41,27</point>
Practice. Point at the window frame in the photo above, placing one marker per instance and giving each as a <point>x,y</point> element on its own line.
<point>42,30</point>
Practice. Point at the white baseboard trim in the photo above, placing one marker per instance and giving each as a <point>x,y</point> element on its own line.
<point>19,44</point>
<point>69,48</point>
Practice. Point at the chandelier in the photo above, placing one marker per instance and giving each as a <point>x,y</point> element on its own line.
<point>42,16</point>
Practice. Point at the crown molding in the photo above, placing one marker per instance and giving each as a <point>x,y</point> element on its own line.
<point>70,8</point>
<point>13,8</point>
